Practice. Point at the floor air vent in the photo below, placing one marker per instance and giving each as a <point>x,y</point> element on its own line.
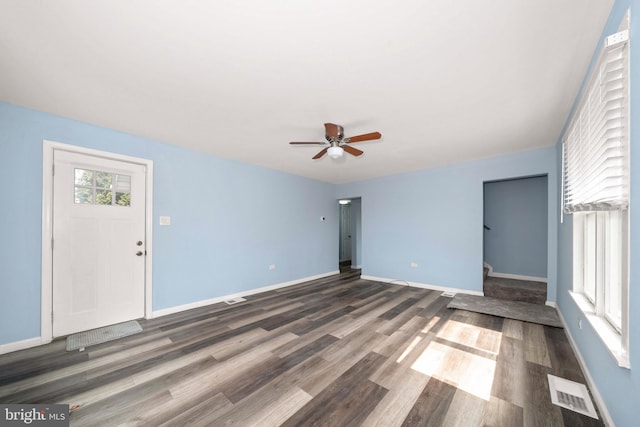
<point>571,401</point>
<point>571,395</point>
<point>234,300</point>
<point>448,294</point>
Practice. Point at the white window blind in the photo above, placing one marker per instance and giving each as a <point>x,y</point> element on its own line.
<point>596,144</point>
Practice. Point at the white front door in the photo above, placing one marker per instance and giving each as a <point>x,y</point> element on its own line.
<point>98,242</point>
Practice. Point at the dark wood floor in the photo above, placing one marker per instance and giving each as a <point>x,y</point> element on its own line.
<point>339,351</point>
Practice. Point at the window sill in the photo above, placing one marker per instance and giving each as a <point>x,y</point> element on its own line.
<point>607,333</point>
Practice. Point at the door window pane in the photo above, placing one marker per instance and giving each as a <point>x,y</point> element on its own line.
<point>103,179</point>
<point>123,199</point>
<point>84,195</point>
<point>84,177</point>
<point>123,183</point>
<point>104,197</point>
<point>97,187</point>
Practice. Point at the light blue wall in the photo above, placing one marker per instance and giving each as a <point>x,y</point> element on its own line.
<point>620,388</point>
<point>229,220</point>
<point>434,218</point>
<point>517,213</point>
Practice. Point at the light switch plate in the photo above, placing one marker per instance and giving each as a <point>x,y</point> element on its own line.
<point>165,220</point>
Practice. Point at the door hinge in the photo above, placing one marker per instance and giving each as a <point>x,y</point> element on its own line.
<point>52,243</point>
<point>53,169</point>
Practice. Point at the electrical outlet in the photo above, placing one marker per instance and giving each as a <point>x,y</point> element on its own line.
<point>414,265</point>
<point>579,323</point>
<point>272,266</point>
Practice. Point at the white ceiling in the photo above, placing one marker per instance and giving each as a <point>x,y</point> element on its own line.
<point>443,81</point>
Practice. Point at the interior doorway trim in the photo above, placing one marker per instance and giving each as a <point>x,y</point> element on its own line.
<point>46,294</point>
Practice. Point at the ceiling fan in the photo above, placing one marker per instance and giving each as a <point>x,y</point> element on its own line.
<point>338,143</point>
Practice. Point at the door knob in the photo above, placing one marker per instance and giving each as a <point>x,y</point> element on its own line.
<point>139,243</point>
<point>139,253</point>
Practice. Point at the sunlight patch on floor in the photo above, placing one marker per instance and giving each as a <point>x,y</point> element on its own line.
<point>419,338</point>
<point>409,349</point>
<point>468,363</point>
<point>471,336</point>
<point>461,369</point>
<point>430,325</point>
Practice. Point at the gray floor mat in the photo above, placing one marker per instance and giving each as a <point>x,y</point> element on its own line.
<point>534,313</point>
<point>101,335</point>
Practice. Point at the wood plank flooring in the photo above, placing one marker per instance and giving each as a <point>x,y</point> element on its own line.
<point>339,351</point>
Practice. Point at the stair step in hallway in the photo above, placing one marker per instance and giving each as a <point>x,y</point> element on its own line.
<point>515,290</point>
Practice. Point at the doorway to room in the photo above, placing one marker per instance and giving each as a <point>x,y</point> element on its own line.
<point>515,239</point>
<point>349,234</point>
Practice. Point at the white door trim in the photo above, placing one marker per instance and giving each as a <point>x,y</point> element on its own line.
<point>48,147</point>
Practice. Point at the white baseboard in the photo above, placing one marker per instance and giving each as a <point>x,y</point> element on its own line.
<point>606,416</point>
<point>34,342</point>
<point>197,304</point>
<point>423,285</point>
<point>21,345</point>
<point>516,276</point>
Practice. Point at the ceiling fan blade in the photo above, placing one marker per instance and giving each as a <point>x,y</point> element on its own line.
<point>364,137</point>
<point>320,154</point>
<point>314,143</point>
<point>332,130</point>
<point>352,151</point>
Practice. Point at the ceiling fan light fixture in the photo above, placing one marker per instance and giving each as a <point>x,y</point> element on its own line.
<point>338,144</point>
<point>335,152</point>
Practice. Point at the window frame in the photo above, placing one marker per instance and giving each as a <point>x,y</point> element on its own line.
<point>597,302</point>
<point>593,304</point>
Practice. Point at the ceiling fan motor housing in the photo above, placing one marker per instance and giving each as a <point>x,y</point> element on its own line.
<point>336,138</point>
